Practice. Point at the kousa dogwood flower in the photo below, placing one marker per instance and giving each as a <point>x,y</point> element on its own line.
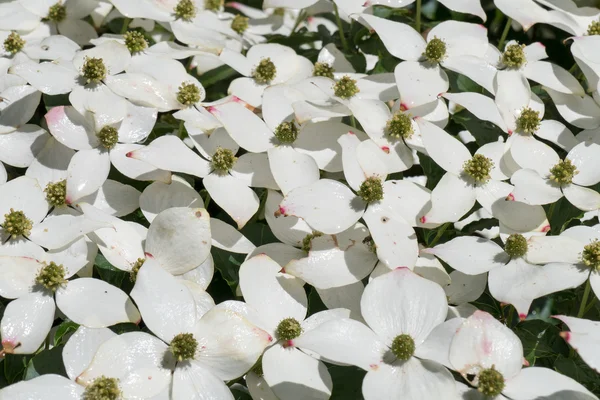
<point>37,44</point>
<point>545,178</point>
<point>577,247</point>
<point>17,105</point>
<point>490,357</point>
<point>512,279</point>
<point>458,46</point>
<point>280,306</point>
<point>402,348</point>
<point>469,7</point>
<point>166,10</point>
<point>222,175</point>
<point>581,337</point>
<point>582,112</point>
<point>468,178</point>
<point>264,65</point>
<point>528,13</point>
<point>210,345</point>
<point>586,58</point>
<point>585,18</point>
<point>39,286</point>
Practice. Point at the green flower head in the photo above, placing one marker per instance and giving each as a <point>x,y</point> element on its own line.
<point>323,69</point>
<point>435,51</point>
<point>514,56</point>
<point>479,168</point>
<point>491,382</point>
<point>346,88</point>
<point>288,329</point>
<point>264,72</point>
<point>14,43</point>
<point>135,42</point>
<point>185,10</point>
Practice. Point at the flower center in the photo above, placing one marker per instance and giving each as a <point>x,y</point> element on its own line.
<point>516,245</point>
<point>188,94</point>
<point>400,126</point>
<point>264,72</point>
<point>308,238</point>
<point>213,5</point>
<point>14,43</point>
<point>594,28</point>
<point>323,69</point>
<point>184,346</point>
<point>563,172</point>
<point>286,132</point>
<point>56,193</point>
<point>345,88</point>
<point>403,347</point>
<point>102,388</point>
<point>136,268</point>
<point>435,51</point>
<point>108,137</point>
<point>223,160</point>
<point>57,13</point>
<point>591,255</point>
<point>17,224</point>
<point>240,24</point>
<point>491,382</point>
<point>93,70</point>
<point>529,120</point>
<point>514,56</point>
<point>479,168</point>
<point>371,190</point>
<point>370,243</point>
<point>288,329</point>
<point>52,276</point>
<point>185,10</point>
<point>135,41</point>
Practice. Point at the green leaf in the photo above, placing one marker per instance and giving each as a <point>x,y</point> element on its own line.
<point>112,275</point>
<point>483,131</point>
<point>14,367</point>
<point>64,329</point>
<point>228,264</point>
<point>46,362</point>
<point>540,340</point>
<point>259,233</point>
<point>216,75</point>
<point>577,369</point>
<point>433,171</point>
<point>315,304</point>
<point>124,328</point>
<point>560,214</point>
<point>347,382</point>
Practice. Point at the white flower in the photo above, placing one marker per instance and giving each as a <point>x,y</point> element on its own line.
<point>405,344</point>
<point>581,336</point>
<point>528,13</point>
<point>490,357</point>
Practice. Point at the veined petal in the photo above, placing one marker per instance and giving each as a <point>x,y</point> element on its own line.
<point>482,342</point>
<point>530,153</point>
<point>547,249</point>
<point>582,112</point>
<point>389,305</point>
<point>87,172</point>
<point>420,84</point>
<point>179,239</point>
<point>237,199</point>
<point>465,288</point>
<point>452,198</point>
<point>557,133</point>
<point>71,128</point>
<point>81,347</point>
<point>471,255</point>
<point>585,199</point>
<point>483,107</point>
<point>136,169</point>
<point>582,337</point>
<point>531,188</point>
<point>194,381</point>
<point>553,76</point>
<point>226,237</point>
<point>44,387</point>
<point>535,382</point>
<point>584,157</point>
<point>291,168</point>
<point>512,95</point>
<point>291,230</point>
<point>160,196</point>
<point>95,303</point>
<point>437,345</point>
<point>445,150</point>
<point>326,205</point>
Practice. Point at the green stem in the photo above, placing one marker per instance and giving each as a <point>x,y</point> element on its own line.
<point>440,232</point>
<point>511,314</point>
<point>573,68</point>
<point>504,34</point>
<point>125,26</point>
<point>353,121</point>
<point>418,17</point>
<point>181,130</point>
<point>207,201</point>
<point>340,27</point>
<point>586,293</point>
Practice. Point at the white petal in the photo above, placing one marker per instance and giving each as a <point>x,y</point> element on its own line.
<point>345,341</point>
<point>471,255</point>
<point>253,170</point>
<point>584,157</point>
<point>520,217</point>
<point>291,168</point>
<point>193,381</point>
<point>114,198</point>
<point>512,95</point>
<point>531,153</point>
<point>44,387</point>
<point>18,106</point>
<point>290,230</point>
<point>477,69</point>
<point>143,90</point>
<point>389,305</point>
<point>95,303</point>
<point>258,387</point>
<point>585,199</point>
<point>81,347</point>
<point>466,6</point>
<point>114,55</point>
<point>446,151</point>
<point>481,106</point>
<point>465,288</point>
<point>235,198</point>
<point>411,48</point>
<point>171,154</point>
<point>327,206</point>
<point>87,172</point>
<point>420,84</point>
<point>519,283</point>
<point>353,172</point>
<point>77,30</point>
<point>135,169</point>
<point>482,342</point>
<point>179,239</point>
<point>20,147</point>
<point>228,342</point>
<point>437,345</point>
<point>531,188</point>
<point>347,297</point>
<point>409,380</point>
<point>582,112</point>
<point>293,375</point>
<point>99,104</point>
<point>281,253</point>
<point>582,337</point>
<point>319,140</point>
<point>51,163</point>
<point>553,76</point>
<point>245,127</point>
<point>71,128</point>
<point>165,303</point>
<point>452,198</point>
<point>275,295</point>
<point>137,124</point>
<point>226,237</point>
<point>160,196</point>
<point>52,78</point>
<point>121,244</point>
<point>24,194</point>
<point>19,275</point>
<point>61,228</point>
<point>52,48</point>
<point>545,249</point>
<point>395,240</point>
<point>526,13</point>
<point>26,323</point>
<point>535,382</point>
<point>201,275</point>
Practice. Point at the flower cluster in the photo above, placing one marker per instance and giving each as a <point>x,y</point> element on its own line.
<point>311,199</point>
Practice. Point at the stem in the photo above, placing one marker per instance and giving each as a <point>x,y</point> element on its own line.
<point>504,34</point>
<point>573,68</point>
<point>340,27</point>
<point>353,121</point>
<point>511,314</point>
<point>418,17</point>
<point>586,293</point>
<point>125,26</point>
<point>181,130</point>
<point>440,232</point>
<point>207,200</point>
